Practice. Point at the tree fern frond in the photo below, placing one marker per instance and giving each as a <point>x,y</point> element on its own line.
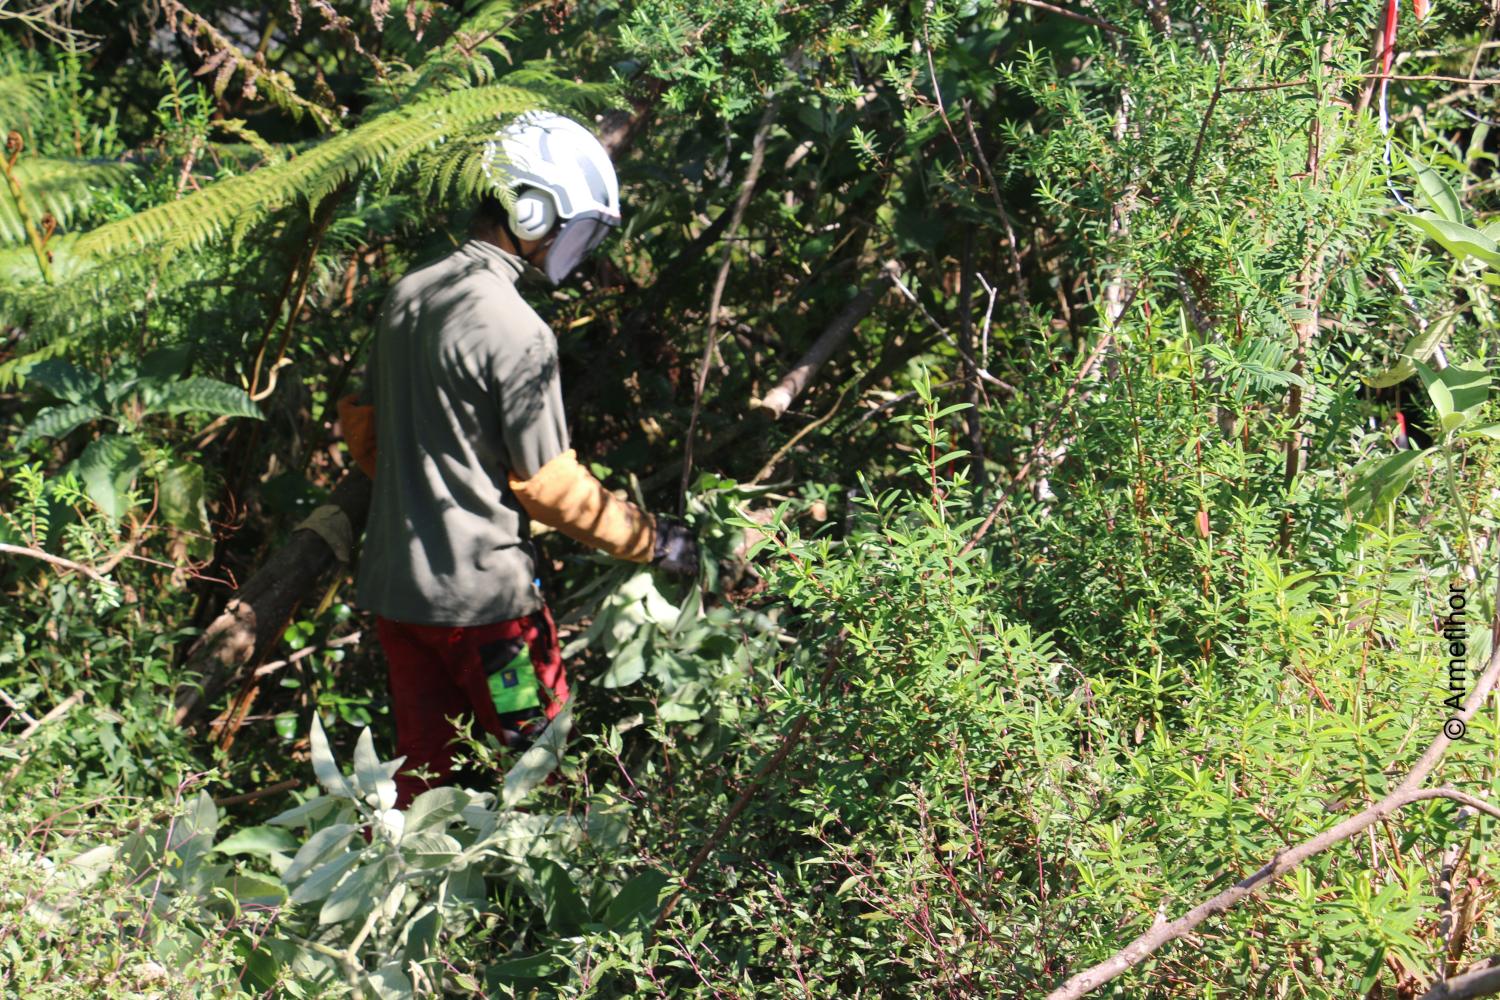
<point>232,206</point>
<point>98,305</point>
<point>237,127</point>
<point>63,188</point>
<point>549,77</point>
<point>467,58</point>
<point>22,98</point>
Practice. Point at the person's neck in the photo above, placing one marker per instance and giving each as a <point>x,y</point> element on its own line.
<point>500,238</point>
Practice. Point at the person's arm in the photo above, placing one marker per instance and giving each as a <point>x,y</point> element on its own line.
<point>548,481</point>
<point>563,494</point>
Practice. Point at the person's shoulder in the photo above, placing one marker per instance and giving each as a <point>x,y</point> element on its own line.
<point>499,330</point>
<point>523,341</point>
<point>425,271</point>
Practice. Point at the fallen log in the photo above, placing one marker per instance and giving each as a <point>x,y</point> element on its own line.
<point>252,623</point>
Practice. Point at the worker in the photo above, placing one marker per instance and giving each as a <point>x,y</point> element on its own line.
<point>460,425</point>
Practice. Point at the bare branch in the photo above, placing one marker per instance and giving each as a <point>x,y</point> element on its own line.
<point>59,561</point>
<point>1480,982</point>
<point>1071,15</point>
<point>711,334</point>
<point>1010,232</point>
<point>791,385</point>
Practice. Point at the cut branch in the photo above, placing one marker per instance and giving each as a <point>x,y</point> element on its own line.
<point>1482,982</point>
<point>776,402</point>
<point>252,622</point>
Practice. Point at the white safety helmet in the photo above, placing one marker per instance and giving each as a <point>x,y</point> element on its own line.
<point>552,174</point>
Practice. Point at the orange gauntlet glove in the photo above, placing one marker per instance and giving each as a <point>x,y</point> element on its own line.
<point>358,422</point>
<point>566,496</point>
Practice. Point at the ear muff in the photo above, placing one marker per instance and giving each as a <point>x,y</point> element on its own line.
<point>533,214</point>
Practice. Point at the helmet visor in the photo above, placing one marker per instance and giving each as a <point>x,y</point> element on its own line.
<point>576,239</point>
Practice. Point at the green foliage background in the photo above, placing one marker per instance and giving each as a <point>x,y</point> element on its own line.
<point>1065,641</point>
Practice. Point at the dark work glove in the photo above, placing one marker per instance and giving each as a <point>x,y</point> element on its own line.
<point>676,547</point>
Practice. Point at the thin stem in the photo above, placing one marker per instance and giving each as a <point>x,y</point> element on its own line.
<point>8,167</point>
<point>1463,509</point>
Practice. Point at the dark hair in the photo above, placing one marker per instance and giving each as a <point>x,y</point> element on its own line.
<point>490,212</point>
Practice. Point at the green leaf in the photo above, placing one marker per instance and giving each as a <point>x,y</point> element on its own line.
<point>435,808</point>
<point>255,890</point>
<point>675,712</point>
<point>107,467</point>
<point>321,880</point>
<point>421,935</point>
<point>203,395</point>
<point>318,848</point>
<point>1457,392</point>
<point>431,849</point>
<point>56,421</point>
<point>1459,240</point>
<point>324,766</point>
<point>258,840</point>
<point>636,897</point>
<point>1418,348</point>
<point>300,815</point>
<point>67,381</point>
<point>530,967</point>
<point>628,666</point>
<point>1374,965</point>
<point>83,870</point>
<point>369,773</point>
<point>1436,191</point>
<point>1380,481</point>
<point>180,497</point>
<point>1484,430</point>
<point>540,760</point>
<point>165,362</point>
<point>390,983</point>
<point>562,907</point>
<point>358,893</point>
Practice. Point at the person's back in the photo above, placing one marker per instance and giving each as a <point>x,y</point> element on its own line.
<point>465,385</point>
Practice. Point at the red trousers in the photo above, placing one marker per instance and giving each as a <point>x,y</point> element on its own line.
<point>438,673</point>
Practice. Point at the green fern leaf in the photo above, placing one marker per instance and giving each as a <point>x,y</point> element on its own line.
<point>57,421</point>
<point>204,395</point>
<point>22,98</point>
<point>63,188</point>
<point>381,147</point>
<point>65,381</point>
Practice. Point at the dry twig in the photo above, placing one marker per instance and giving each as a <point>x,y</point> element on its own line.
<point>711,336</point>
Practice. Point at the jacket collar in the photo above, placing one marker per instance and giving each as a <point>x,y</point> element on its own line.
<point>506,265</point>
